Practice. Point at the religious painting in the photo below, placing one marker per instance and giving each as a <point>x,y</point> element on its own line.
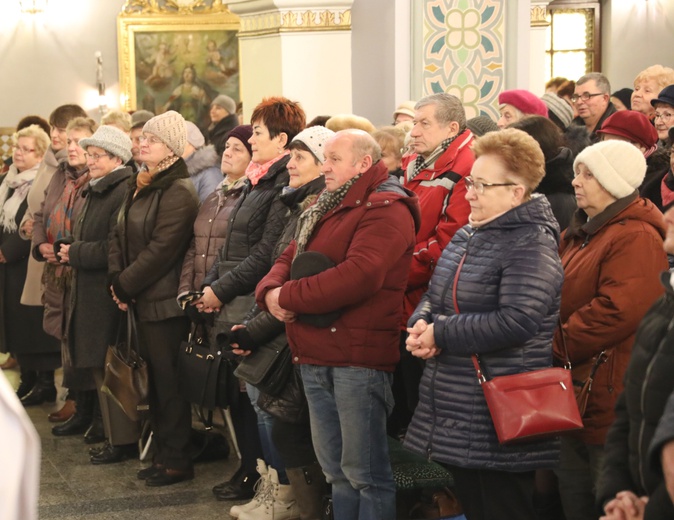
<point>178,57</point>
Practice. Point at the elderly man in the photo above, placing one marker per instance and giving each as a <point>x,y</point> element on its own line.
<point>223,119</point>
<point>364,224</point>
<point>435,173</point>
<point>592,98</point>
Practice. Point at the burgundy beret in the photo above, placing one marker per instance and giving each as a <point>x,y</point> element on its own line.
<point>631,125</point>
<point>524,101</point>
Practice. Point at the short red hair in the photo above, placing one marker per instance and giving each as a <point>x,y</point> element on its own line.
<point>280,115</point>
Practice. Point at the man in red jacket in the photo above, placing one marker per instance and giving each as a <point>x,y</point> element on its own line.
<point>435,173</point>
<point>364,223</point>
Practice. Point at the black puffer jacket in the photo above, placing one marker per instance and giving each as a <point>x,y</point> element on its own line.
<point>648,385</point>
<point>254,229</point>
<point>508,295</point>
<point>556,186</point>
<point>657,168</point>
<point>217,134</point>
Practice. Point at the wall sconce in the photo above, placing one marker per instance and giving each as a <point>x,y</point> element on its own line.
<point>100,84</point>
<point>33,6</point>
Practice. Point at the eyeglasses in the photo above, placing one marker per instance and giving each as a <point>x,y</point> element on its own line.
<point>95,156</point>
<point>479,186</point>
<point>150,139</point>
<point>22,149</point>
<point>665,116</point>
<point>585,96</point>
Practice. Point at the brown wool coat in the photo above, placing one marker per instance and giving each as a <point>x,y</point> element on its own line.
<point>612,267</point>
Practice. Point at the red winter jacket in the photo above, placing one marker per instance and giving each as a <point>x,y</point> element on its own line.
<point>444,210</point>
<point>370,238</point>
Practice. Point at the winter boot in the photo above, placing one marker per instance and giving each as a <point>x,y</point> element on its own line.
<point>262,489</point>
<point>309,486</point>
<point>44,390</point>
<point>95,433</point>
<point>81,420</point>
<point>26,383</point>
<point>277,504</point>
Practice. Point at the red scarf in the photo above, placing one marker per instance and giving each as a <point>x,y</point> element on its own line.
<point>256,171</point>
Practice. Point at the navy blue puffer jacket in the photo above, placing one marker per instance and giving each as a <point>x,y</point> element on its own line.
<point>508,295</point>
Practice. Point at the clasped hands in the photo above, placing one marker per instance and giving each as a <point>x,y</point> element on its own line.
<point>625,506</point>
<point>421,340</point>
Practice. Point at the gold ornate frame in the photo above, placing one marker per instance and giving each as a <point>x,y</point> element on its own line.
<point>163,16</point>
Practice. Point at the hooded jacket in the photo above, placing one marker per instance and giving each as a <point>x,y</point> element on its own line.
<point>507,295</point>
<point>612,265</point>
<point>370,239</point>
<point>204,169</point>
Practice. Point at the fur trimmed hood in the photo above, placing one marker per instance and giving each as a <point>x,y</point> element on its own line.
<point>201,159</point>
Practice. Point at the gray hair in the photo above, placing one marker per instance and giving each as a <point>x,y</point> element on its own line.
<point>448,108</point>
<point>362,144</point>
<point>601,81</point>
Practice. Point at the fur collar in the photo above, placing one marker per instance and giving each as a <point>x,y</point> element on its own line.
<point>201,159</point>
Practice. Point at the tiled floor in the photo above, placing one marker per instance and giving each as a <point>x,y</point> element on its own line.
<point>71,488</point>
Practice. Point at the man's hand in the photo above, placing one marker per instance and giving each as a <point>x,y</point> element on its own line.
<point>209,302</point>
<point>271,300</point>
<point>47,251</point>
<point>667,460</point>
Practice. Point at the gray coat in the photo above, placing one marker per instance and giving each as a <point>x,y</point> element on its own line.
<point>93,316</point>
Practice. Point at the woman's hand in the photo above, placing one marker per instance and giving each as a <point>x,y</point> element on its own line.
<point>625,506</point>
<point>122,306</point>
<point>209,302</point>
<point>238,351</point>
<point>63,253</point>
<point>667,459</point>
<point>27,227</point>
<point>421,340</point>
<point>47,251</point>
<point>3,260</point>
<point>281,314</point>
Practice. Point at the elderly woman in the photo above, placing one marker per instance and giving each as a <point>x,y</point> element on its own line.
<point>292,439</point>
<point>484,299</point>
<point>627,476</point>
<point>647,85</point>
<point>93,318</point>
<point>22,332</point>
<point>391,139</point>
<point>612,256</point>
<point>146,251</point>
<point>515,104</point>
<point>254,229</point>
<point>664,114</point>
<point>54,221</point>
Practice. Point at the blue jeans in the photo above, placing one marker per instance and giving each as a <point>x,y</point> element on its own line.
<point>348,407</point>
<point>264,427</point>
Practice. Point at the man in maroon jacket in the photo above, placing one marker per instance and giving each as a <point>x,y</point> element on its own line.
<point>365,224</point>
<point>435,172</point>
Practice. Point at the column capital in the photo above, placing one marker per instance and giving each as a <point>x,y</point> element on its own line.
<point>539,12</point>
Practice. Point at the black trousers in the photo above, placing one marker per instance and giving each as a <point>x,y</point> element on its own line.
<point>293,443</point>
<point>494,495</point>
<point>170,414</point>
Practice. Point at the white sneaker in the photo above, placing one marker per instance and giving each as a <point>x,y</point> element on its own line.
<point>262,489</point>
<point>278,504</point>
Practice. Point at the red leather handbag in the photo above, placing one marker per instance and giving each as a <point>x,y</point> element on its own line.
<point>530,405</point>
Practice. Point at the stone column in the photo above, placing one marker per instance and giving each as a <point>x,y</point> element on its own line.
<point>538,72</point>
<point>300,49</point>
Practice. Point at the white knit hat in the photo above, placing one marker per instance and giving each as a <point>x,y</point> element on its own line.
<point>110,139</point>
<point>170,128</point>
<point>618,166</point>
<point>315,138</point>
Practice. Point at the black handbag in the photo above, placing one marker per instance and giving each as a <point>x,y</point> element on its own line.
<point>204,375</point>
<point>126,377</point>
<point>268,367</point>
<point>290,405</point>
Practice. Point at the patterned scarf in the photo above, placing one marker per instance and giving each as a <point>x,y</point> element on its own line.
<point>421,164</point>
<point>311,216</point>
<point>255,171</point>
<point>227,185</point>
<point>20,182</point>
<point>145,176</point>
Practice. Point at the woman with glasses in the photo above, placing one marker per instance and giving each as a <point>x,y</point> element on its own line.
<point>53,222</point>
<point>147,247</point>
<point>494,293</point>
<point>612,256</point>
<point>21,330</point>
<point>93,318</point>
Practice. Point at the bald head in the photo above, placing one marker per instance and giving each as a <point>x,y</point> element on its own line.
<point>348,154</point>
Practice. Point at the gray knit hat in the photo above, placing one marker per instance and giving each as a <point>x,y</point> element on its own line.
<point>618,166</point>
<point>140,117</point>
<point>225,102</point>
<point>112,140</point>
<point>480,125</point>
<point>559,107</point>
<point>194,135</point>
<point>170,128</point>
<point>315,138</point>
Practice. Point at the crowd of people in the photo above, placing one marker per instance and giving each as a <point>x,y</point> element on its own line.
<point>384,259</point>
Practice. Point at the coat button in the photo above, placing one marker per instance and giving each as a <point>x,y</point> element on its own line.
<point>357,202</point>
<point>203,256</point>
<point>210,220</point>
<point>296,359</point>
<point>386,202</point>
<point>333,329</point>
<point>369,204</point>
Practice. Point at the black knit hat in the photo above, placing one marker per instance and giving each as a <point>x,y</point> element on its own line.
<point>624,95</point>
<point>242,133</point>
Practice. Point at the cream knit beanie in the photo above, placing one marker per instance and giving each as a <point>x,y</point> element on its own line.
<point>170,128</point>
